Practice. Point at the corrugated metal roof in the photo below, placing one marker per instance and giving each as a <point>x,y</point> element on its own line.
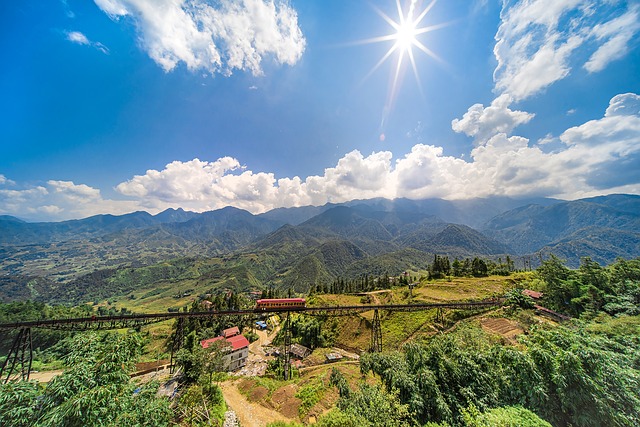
<point>230,332</point>
<point>236,342</point>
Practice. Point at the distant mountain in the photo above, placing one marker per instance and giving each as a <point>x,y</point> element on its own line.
<point>602,245</point>
<point>300,246</point>
<point>174,215</point>
<point>629,203</point>
<point>19,232</point>
<point>232,227</point>
<point>472,212</point>
<point>295,216</point>
<point>9,218</point>
<point>457,240</point>
<point>590,224</point>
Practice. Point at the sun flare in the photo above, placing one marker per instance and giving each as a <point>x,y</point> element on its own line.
<point>407,29</point>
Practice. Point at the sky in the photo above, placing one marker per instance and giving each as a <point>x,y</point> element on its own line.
<point>114,106</point>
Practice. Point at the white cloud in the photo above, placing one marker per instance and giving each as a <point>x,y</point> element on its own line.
<point>482,123</point>
<point>597,157</point>
<point>232,35</point>
<point>59,200</point>
<point>538,40</point>
<point>617,33</point>
<point>625,104</point>
<point>5,181</point>
<point>79,38</point>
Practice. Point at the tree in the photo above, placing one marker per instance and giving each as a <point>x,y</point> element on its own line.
<point>479,268</point>
<point>94,390</point>
<point>508,416</point>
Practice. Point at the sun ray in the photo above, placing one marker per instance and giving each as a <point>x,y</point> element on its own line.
<point>406,30</point>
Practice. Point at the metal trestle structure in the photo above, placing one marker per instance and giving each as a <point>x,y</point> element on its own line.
<point>178,339</point>
<point>287,348</point>
<point>376,333</point>
<point>19,358</point>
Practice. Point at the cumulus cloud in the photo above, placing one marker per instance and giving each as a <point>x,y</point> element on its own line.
<point>229,35</point>
<point>537,41</point>
<point>499,165</point>
<point>482,123</point>
<point>58,200</point>
<point>79,38</point>
<point>596,157</point>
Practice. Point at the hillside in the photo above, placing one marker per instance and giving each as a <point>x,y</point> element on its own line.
<point>355,238</point>
<point>603,228</point>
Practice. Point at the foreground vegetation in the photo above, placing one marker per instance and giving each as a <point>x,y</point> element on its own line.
<point>585,372</point>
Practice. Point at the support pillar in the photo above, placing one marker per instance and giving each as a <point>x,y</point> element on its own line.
<point>376,333</point>
<point>21,354</point>
<point>178,339</point>
<point>287,348</point>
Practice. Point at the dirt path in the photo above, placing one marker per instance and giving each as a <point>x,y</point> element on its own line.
<point>249,414</point>
<point>44,377</point>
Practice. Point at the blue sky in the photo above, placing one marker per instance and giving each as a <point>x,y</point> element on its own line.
<point>120,105</point>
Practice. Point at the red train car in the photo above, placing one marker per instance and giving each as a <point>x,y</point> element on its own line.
<point>267,304</point>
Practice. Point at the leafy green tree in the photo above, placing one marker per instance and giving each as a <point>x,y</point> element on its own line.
<point>95,390</point>
<point>509,416</point>
<point>570,377</point>
<point>369,406</point>
<point>479,268</point>
<point>515,297</point>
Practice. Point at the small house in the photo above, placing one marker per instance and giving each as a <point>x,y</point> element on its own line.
<point>532,294</point>
<point>333,357</point>
<point>299,351</point>
<point>236,350</point>
<point>231,332</point>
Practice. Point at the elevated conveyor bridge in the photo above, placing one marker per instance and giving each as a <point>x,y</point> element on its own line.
<point>18,360</point>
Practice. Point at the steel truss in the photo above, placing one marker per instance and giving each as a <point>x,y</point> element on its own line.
<point>21,354</point>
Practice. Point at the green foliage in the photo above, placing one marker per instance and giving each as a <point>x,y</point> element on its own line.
<point>94,390</point>
<point>200,405</point>
<point>338,418</point>
<point>592,288</point>
<point>49,345</point>
<point>516,298</point>
<point>19,403</point>
<point>570,377</point>
<point>509,416</point>
<point>339,381</point>
<point>440,267</point>
<point>369,406</point>
<point>309,395</point>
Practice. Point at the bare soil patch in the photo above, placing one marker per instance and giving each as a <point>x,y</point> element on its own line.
<point>284,397</point>
<point>505,327</point>
<point>257,394</point>
<point>250,414</point>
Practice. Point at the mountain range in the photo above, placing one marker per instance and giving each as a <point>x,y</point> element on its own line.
<point>312,244</point>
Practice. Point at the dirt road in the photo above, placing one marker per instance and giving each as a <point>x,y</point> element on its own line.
<point>249,414</point>
<point>44,377</point>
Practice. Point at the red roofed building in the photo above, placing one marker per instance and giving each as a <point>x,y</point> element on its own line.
<point>231,332</point>
<point>237,350</point>
<point>532,294</point>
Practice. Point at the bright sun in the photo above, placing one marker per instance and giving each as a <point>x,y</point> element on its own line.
<point>405,37</point>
